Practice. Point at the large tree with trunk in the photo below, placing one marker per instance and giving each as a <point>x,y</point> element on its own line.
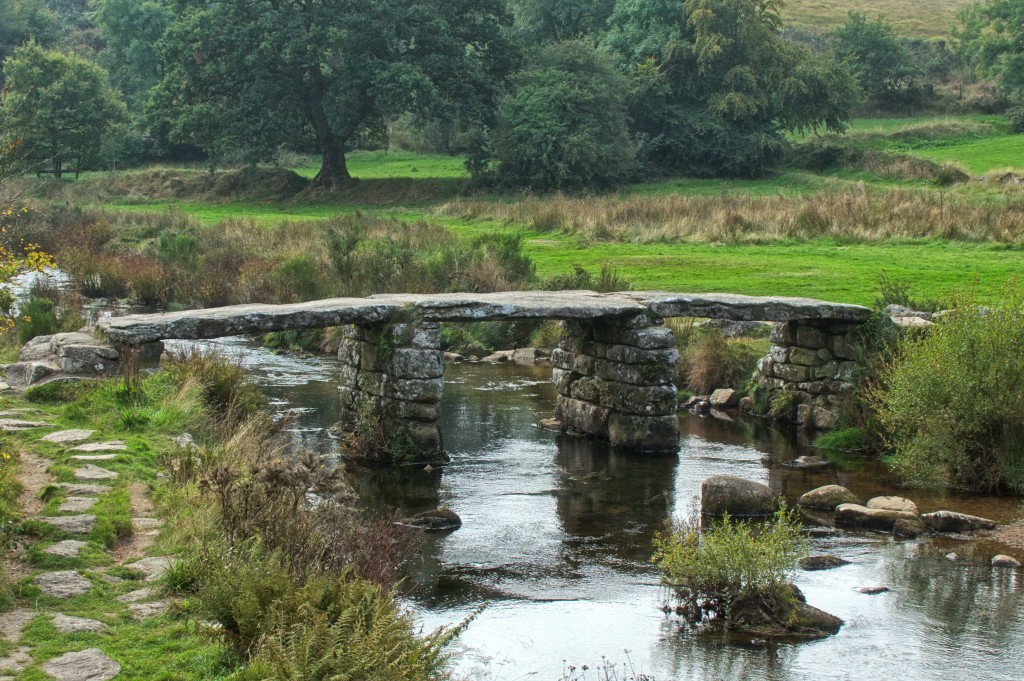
<point>254,75</point>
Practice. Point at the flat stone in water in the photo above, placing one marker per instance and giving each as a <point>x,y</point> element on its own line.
<point>112,446</point>
<point>63,584</point>
<point>73,625</point>
<point>75,524</point>
<point>69,548</point>
<point>807,462</point>
<point>63,437</point>
<point>90,472</point>
<point>826,562</point>
<point>1005,561</point>
<point>81,490</point>
<point>873,590</point>
<point>77,504</point>
<point>893,504</point>
<point>86,665</point>
<point>153,568</point>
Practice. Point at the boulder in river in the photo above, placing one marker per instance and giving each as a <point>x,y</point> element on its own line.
<point>908,529</point>
<point>855,515</point>
<point>438,520</point>
<point>1005,561</point>
<point>949,521</point>
<point>828,497</point>
<point>724,398</point>
<point>722,494</point>
<point>826,562</point>
<point>893,504</point>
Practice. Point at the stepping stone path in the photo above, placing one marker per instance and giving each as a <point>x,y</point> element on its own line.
<point>63,437</point>
<point>87,665</point>
<point>90,472</point>
<point>73,625</point>
<point>153,568</point>
<point>147,523</point>
<point>78,490</point>
<point>69,548</point>
<point>75,524</point>
<point>77,504</point>
<point>16,425</point>
<point>94,457</point>
<point>141,611</point>
<point>112,446</point>
<point>15,662</point>
<point>63,584</point>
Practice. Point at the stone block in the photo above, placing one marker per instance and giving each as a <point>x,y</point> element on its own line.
<point>348,376</point>
<point>647,434</point>
<point>784,333</point>
<point>563,359</point>
<point>588,389</point>
<point>804,357</point>
<point>349,353</point>
<point>827,370</point>
<point>810,337</point>
<point>724,398</point>
<point>411,363</point>
<point>651,338</point>
<point>779,353</point>
<point>637,400</point>
<point>582,417</point>
<point>563,380</point>
<point>373,383</point>
<point>413,411</point>
<point>417,390</point>
<point>792,372</point>
<point>637,374</point>
<point>629,354</point>
<point>825,355</point>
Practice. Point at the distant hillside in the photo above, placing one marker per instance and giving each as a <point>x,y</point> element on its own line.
<point>913,18</point>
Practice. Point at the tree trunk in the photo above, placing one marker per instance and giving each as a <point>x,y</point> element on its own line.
<point>333,170</point>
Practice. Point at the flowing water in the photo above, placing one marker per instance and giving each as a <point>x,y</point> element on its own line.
<point>556,542</point>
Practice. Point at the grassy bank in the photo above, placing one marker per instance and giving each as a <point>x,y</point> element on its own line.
<point>204,560</point>
<point>917,18</point>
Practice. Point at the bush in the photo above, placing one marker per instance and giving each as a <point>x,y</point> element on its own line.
<point>952,401</point>
<point>711,569</point>
<point>225,387</point>
<point>38,318</point>
<point>708,360</point>
<point>1014,117</point>
<point>565,126</point>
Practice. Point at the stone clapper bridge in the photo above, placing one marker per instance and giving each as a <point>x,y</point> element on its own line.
<point>614,369</point>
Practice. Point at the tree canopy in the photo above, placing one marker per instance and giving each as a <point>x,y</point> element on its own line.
<point>715,85</point>
<point>991,37</point>
<point>258,74</point>
<point>57,104</point>
<point>879,59</point>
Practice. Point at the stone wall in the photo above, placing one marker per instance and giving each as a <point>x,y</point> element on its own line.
<point>391,382</point>
<point>811,365</point>
<point>615,381</point>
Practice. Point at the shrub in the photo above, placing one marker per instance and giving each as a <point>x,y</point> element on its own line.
<point>845,440</point>
<point>225,386</point>
<point>38,318</point>
<point>708,360</point>
<point>952,401</point>
<point>711,568</point>
<point>1014,117</point>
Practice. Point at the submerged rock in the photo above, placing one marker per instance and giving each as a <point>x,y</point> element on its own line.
<point>553,425</point>
<point>872,590</point>
<point>782,616</point>
<point>722,494</point>
<point>948,521</point>
<point>438,520</point>
<point>908,529</point>
<point>826,562</point>
<point>828,497</point>
<point>807,462</point>
<point>1005,561</point>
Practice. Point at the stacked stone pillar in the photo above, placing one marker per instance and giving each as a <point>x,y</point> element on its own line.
<point>615,381</point>
<point>811,365</point>
<point>392,379</point>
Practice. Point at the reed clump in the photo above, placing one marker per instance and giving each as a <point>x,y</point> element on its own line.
<point>857,214</point>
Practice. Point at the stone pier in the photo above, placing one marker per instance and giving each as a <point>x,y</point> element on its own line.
<point>811,367</point>
<point>390,387</point>
<point>615,380</point>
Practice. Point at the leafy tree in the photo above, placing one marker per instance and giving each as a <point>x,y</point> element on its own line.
<point>715,86</point>
<point>991,38</point>
<point>565,124</point>
<point>879,59</point>
<point>22,20</point>
<point>554,20</point>
<point>131,30</point>
<point>256,74</point>
<point>58,104</point>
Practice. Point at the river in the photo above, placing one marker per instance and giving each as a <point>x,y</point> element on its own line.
<point>556,540</point>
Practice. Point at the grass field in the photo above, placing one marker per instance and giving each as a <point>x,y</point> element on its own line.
<point>916,18</point>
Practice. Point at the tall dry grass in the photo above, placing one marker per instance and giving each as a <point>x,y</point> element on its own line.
<point>857,214</point>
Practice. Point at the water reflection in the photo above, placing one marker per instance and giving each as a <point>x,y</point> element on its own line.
<point>557,531</point>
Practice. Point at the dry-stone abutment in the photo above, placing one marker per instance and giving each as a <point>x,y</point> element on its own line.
<point>614,369</point>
